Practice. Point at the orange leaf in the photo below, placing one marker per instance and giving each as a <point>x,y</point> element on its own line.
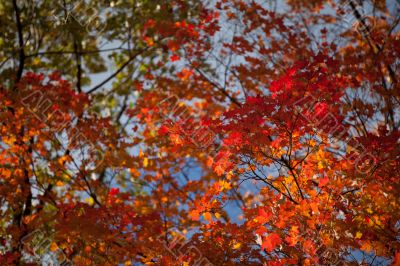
<point>53,246</point>
<point>195,215</point>
<point>207,216</point>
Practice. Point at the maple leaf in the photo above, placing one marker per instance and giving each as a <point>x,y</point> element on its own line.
<point>219,169</point>
<point>271,241</point>
<point>185,74</point>
<point>195,215</point>
<point>234,138</point>
<point>265,215</point>
<point>114,191</point>
<point>222,162</point>
<point>163,130</point>
<point>174,58</point>
<point>291,240</point>
<point>207,216</point>
<point>323,181</point>
<point>149,41</point>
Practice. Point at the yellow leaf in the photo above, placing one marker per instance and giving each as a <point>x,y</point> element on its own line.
<point>102,247</point>
<point>376,220</point>
<point>358,235</point>
<point>217,215</point>
<point>229,176</point>
<point>36,61</point>
<point>145,162</point>
<point>236,246</point>
<point>63,159</point>
<point>90,201</point>
<point>225,185</point>
<point>65,176</point>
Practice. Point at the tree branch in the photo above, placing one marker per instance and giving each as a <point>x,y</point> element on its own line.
<point>131,58</point>
<point>20,41</point>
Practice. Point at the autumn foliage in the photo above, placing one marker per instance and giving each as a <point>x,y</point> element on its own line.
<point>224,133</point>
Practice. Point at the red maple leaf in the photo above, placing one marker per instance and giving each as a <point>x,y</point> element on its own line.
<point>271,241</point>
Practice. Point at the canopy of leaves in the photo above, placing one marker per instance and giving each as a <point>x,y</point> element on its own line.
<point>184,132</point>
